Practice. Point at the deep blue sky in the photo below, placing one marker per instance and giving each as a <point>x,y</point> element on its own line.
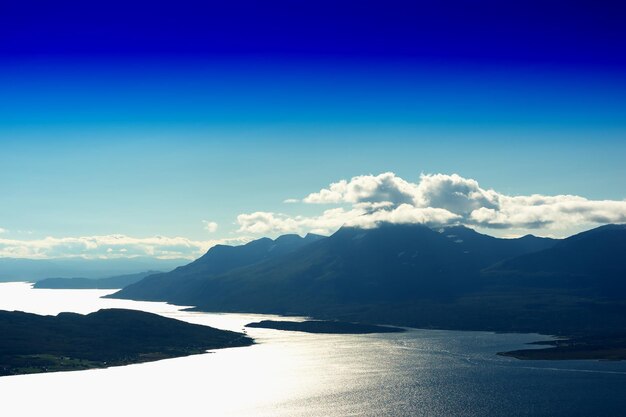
<point>145,118</point>
<point>587,33</point>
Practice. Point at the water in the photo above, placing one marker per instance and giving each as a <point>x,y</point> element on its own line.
<point>418,373</point>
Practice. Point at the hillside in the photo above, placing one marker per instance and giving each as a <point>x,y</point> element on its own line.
<point>390,264</point>
<point>31,343</point>
<point>592,261</point>
<point>397,274</point>
<point>218,260</point>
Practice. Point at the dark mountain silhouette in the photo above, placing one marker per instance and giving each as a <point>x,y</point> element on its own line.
<point>116,282</point>
<point>592,260</point>
<point>32,343</point>
<point>411,275</point>
<point>218,260</point>
<point>354,269</point>
<point>223,258</point>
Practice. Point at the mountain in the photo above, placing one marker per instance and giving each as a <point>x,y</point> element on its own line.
<point>353,268</point>
<point>17,269</point>
<point>116,282</point>
<point>411,275</point>
<point>597,252</point>
<point>32,343</point>
<point>494,249</point>
<point>223,258</point>
<point>592,260</point>
<point>218,260</point>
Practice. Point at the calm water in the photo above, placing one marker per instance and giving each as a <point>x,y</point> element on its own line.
<point>418,373</point>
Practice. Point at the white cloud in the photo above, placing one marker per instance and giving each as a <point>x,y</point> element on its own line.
<point>291,201</point>
<point>2,230</point>
<point>108,246</point>
<point>385,187</point>
<point>264,223</point>
<point>209,226</point>
<point>363,201</point>
<point>453,192</point>
<point>360,215</point>
<point>537,211</point>
<point>438,199</point>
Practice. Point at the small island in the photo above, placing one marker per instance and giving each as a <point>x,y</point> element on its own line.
<point>598,347</point>
<point>31,343</point>
<point>320,326</point>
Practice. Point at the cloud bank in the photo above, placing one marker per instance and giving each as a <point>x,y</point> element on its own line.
<point>363,201</point>
<point>438,199</point>
<point>109,246</point>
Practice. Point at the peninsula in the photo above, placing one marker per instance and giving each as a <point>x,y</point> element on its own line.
<point>32,343</point>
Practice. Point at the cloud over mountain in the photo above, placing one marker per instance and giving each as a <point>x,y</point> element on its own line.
<point>386,187</point>
<point>437,199</point>
<point>363,201</point>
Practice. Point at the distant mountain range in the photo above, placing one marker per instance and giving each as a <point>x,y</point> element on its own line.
<point>18,269</point>
<point>413,275</point>
<point>116,282</point>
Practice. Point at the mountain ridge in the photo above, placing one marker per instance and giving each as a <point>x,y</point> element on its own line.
<point>352,269</point>
<point>414,276</point>
<point>216,260</point>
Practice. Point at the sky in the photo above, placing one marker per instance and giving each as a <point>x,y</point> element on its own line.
<point>163,128</point>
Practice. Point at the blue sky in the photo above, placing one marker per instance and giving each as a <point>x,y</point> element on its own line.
<point>146,119</point>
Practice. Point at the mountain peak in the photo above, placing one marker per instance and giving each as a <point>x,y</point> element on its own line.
<point>287,239</point>
<point>311,237</point>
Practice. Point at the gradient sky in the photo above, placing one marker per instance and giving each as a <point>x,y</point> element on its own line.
<point>145,119</point>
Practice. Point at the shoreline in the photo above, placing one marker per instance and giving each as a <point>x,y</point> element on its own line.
<point>597,347</point>
<point>324,327</point>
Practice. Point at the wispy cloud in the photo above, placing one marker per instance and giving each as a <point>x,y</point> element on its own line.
<point>439,199</point>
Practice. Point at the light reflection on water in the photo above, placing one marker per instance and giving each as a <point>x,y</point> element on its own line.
<point>418,373</point>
